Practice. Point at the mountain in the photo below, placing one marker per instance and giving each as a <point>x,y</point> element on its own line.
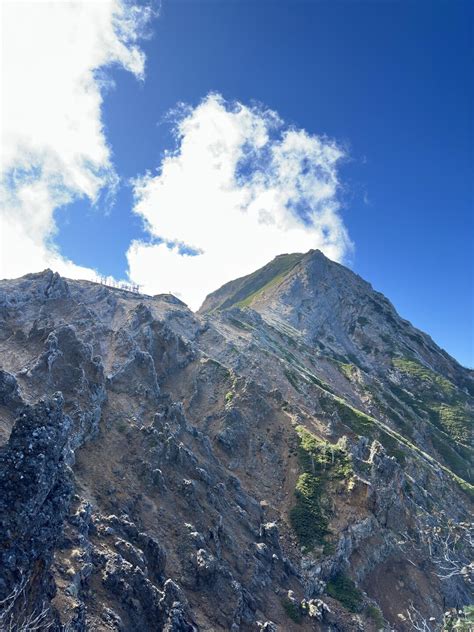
<point>294,456</point>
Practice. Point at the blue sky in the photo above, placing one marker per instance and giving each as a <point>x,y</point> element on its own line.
<point>387,81</point>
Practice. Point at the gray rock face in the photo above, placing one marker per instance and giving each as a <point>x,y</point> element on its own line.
<point>294,457</point>
<point>35,494</point>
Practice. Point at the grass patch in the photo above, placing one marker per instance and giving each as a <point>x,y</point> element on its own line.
<point>343,589</point>
<point>358,421</point>
<point>242,292</point>
<point>393,447</point>
<point>458,457</point>
<point>285,353</point>
<point>392,409</point>
<point>246,302</point>
<point>362,424</point>
<point>287,265</point>
<point>387,339</point>
<point>446,406</point>
<point>455,420</point>
<point>431,379</point>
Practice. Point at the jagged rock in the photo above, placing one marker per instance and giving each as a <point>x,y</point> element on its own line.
<point>155,554</point>
<point>9,391</point>
<point>262,551</point>
<point>134,590</point>
<point>82,518</point>
<point>158,479</point>
<point>269,532</point>
<point>35,493</point>
<point>315,609</point>
<point>267,626</point>
<point>131,553</point>
<point>206,565</point>
<point>140,371</point>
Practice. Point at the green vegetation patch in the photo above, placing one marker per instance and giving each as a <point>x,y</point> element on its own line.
<point>392,409</point>
<point>308,517</point>
<point>417,370</point>
<point>261,280</point>
<point>316,381</point>
<point>376,615</point>
<point>322,458</point>
<point>292,610</point>
<point>392,441</point>
<point>292,378</point>
<point>239,324</point>
<point>363,425</point>
<point>455,420</point>
<point>396,444</point>
<point>445,404</point>
<point>347,370</point>
<point>358,421</point>
<point>459,458</point>
<point>459,621</point>
<point>343,589</point>
<point>122,426</point>
<point>250,298</point>
<point>320,462</point>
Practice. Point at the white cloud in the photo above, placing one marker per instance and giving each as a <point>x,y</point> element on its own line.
<point>241,188</point>
<point>53,145</point>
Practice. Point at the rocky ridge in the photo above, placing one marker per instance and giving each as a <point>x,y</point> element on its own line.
<point>295,456</point>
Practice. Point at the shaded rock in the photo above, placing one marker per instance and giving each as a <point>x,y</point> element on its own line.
<point>35,494</point>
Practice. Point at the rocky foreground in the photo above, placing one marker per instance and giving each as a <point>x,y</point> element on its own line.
<point>295,456</point>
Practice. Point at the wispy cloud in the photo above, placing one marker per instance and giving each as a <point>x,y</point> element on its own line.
<point>241,188</point>
<point>53,145</point>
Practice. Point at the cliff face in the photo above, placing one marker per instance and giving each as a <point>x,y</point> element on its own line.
<point>293,457</point>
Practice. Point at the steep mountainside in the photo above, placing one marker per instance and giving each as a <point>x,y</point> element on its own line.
<point>293,457</point>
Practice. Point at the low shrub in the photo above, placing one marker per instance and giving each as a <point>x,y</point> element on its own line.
<point>292,610</point>
<point>343,589</point>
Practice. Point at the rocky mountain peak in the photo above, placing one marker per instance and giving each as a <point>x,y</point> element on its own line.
<point>331,308</point>
<point>289,282</point>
